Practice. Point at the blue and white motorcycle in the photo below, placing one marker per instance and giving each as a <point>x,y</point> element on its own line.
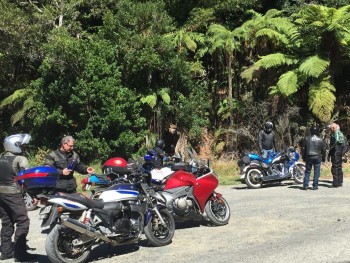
<point>119,216</point>
<point>277,167</point>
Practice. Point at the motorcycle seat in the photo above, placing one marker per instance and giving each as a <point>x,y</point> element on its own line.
<point>83,199</point>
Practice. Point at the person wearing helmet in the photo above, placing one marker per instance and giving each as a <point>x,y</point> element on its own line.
<point>313,153</point>
<point>338,143</point>
<point>266,140</point>
<point>13,211</point>
<point>66,161</point>
<point>158,152</point>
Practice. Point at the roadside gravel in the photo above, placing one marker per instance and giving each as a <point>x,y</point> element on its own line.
<point>279,223</point>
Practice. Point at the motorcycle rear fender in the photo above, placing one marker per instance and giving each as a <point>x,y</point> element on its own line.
<point>248,167</point>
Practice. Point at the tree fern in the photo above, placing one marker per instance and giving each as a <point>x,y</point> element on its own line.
<point>272,34</point>
<point>314,66</point>
<point>16,97</point>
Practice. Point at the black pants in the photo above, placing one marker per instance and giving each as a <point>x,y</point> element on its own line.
<point>13,212</point>
<point>337,169</point>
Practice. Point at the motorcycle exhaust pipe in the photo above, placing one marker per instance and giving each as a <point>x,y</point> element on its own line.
<point>86,230</point>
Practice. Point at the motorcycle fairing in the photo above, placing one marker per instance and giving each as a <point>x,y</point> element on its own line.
<point>120,192</point>
<point>68,204</point>
<point>180,178</point>
<point>204,187</point>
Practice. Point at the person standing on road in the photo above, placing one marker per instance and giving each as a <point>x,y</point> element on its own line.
<point>67,161</point>
<point>336,150</point>
<point>12,208</point>
<point>313,153</point>
<point>266,139</point>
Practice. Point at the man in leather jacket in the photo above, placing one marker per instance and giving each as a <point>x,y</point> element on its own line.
<point>67,161</point>
<point>158,151</point>
<point>266,139</point>
<point>313,153</point>
<point>13,211</point>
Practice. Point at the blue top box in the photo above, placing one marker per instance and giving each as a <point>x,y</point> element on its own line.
<point>38,177</point>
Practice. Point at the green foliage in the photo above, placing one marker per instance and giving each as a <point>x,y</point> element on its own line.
<point>322,99</point>
<point>314,66</point>
<point>288,83</point>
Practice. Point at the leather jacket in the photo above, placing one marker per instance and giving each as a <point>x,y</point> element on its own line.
<point>314,148</point>
<point>266,141</point>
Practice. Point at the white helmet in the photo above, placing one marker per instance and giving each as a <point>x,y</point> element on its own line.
<point>14,142</point>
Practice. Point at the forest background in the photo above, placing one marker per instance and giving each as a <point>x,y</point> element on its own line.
<point>117,74</point>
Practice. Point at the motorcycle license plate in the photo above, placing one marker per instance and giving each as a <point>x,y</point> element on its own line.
<point>45,211</point>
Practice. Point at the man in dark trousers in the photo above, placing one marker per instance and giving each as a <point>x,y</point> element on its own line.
<point>67,161</point>
<point>338,143</point>
<point>313,153</point>
<point>13,211</point>
<point>267,140</point>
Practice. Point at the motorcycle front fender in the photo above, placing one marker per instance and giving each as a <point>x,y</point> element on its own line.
<point>151,211</point>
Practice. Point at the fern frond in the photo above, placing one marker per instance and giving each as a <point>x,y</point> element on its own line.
<point>288,83</point>
<point>322,99</point>
<point>272,34</point>
<point>16,97</point>
<point>275,60</point>
<point>314,66</point>
<point>248,73</point>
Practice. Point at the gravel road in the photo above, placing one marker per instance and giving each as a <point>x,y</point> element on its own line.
<point>279,223</point>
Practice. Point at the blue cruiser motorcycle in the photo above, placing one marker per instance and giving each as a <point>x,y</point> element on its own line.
<point>277,167</point>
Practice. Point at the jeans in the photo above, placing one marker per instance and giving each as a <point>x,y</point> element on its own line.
<point>265,153</point>
<point>317,169</point>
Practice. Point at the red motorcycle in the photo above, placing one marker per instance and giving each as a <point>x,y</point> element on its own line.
<point>192,188</point>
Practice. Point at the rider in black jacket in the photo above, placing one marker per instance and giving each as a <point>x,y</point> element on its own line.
<point>266,139</point>
<point>313,153</point>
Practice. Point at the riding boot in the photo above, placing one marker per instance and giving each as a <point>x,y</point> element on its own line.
<point>21,254</point>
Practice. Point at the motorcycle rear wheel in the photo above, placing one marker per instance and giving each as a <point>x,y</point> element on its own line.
<point>218,211</point>
<point>253,178</point>
<point>299,172</point>
<point>59,247</point>
<point>156,233</point>
<point>28,201</point>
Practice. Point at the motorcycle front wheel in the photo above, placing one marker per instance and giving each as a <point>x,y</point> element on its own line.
<point>218,211</point>
<point>298,173</point>
<point>157,234</point>
<point>253,178</point>
<point>29,202</point>
<point>60,248</point>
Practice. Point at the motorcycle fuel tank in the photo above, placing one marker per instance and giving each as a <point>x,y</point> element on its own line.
<point>120,192</point>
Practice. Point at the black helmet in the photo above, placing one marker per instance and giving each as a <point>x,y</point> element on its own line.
<point>160,144</point>
<point>268,127</point>
<point>314,130</point>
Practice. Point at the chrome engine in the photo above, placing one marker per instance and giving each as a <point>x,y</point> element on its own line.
<point>182,205</point>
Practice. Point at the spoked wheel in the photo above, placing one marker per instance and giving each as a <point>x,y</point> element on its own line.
<point>29,202</point>
<point>158,234</point>
<point>298,172</point>
<point>218,211</point>
<point>253,178</point>
<point>59,246</point>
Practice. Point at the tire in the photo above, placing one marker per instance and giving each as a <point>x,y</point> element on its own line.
<point>28,201</point>
<point>58,246</point>
<point>156,233</point>
<point>218,211</point>
<point>253,178</point>
<point>299,173</point>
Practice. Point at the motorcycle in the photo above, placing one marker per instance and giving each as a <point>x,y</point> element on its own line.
<point>277,167</point>
<point>36,181</point>
<point>121,214</point>
<point>191,188</point>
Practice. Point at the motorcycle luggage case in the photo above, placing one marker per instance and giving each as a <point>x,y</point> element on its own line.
<point>39,176</point>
